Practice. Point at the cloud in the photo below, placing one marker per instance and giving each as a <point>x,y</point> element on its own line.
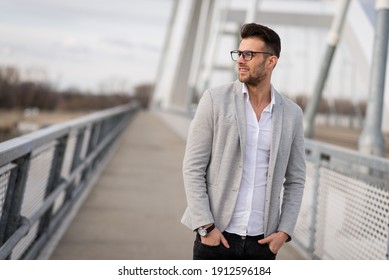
<point>73,11</point>
<point>72,45</point>
<point>6,50</point>
<point>78,40</point>
<point>120,43</point>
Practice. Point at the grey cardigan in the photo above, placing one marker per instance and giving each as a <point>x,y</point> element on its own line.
<point>212,166</point>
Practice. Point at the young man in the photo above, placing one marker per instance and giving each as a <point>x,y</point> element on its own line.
<point>245,145</point>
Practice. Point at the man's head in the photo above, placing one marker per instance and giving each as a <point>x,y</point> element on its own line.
<point>257,55</point>
<point>268,36</point>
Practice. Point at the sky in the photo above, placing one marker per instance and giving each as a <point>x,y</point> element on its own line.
<point>91,45</point>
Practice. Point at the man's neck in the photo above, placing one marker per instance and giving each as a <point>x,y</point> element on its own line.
<point>260,94</point>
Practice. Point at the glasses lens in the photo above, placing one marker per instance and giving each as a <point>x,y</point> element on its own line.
<point>234,55</point>
<point>247,55</point>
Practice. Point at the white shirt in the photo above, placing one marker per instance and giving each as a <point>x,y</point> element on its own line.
<point>248,215</point>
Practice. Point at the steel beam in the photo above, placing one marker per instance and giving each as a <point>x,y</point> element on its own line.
<point>372,139</point>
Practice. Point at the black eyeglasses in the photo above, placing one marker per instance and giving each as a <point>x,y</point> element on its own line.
<point>247,55</point>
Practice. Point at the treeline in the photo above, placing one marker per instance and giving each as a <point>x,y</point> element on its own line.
<point>18,94</point>
<point>340,106</point>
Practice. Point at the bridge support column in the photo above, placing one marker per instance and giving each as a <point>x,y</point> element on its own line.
<point>182,55</point>
<point>333,39</point>
<point>203,35</point>
<point>372,140</point>
<point>158,94</point>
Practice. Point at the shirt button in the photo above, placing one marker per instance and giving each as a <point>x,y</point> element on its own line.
<point>243,237</point>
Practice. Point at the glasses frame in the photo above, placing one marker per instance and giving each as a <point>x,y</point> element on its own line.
<point>245,54</point>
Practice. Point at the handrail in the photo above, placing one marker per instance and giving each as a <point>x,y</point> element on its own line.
<point>44,173</point>
<point>345,211</point>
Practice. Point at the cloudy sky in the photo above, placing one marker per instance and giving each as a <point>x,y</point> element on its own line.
<point>87,44</point>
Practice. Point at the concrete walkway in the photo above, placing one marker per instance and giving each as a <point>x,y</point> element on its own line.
<point>134,210</point>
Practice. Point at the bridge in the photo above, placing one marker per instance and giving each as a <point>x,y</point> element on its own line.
<point>109,186</point>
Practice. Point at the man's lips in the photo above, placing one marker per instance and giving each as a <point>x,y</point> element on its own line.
<point>243,69</point>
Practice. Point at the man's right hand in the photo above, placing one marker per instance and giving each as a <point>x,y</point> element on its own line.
<point>214,238</point>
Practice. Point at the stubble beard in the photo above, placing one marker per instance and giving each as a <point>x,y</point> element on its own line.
<point>251,80</point>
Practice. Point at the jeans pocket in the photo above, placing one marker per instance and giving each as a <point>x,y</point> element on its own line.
<point>270,251</point>
<point>207,252</point>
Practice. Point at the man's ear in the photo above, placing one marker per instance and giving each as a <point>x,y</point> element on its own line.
<point>272,61</point>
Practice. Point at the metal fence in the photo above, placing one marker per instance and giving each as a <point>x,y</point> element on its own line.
<point>345,211</point>
<point>43,175</point>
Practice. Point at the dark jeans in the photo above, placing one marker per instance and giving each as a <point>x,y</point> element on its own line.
<point>241,248</point>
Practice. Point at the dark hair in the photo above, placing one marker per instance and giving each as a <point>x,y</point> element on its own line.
<point>267,35</point>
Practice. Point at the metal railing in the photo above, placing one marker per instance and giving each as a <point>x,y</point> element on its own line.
<point>43,175</point>
<point>345,210</point>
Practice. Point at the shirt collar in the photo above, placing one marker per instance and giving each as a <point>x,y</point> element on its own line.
<point>245,93</point>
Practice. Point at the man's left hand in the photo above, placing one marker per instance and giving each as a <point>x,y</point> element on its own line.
<point>275,241</point>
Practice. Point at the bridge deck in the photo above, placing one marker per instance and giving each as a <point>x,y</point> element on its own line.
<point>134,210</point>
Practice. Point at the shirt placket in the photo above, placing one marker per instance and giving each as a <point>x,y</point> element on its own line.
<point>254,153</point>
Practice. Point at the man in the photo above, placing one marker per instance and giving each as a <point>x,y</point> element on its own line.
<point>245,146</point>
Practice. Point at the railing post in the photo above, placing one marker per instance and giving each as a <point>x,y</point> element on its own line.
<point>76,159</point>
<point>315,194</point>
<point>93,140</point>
<point>77,150</point>
<point>54,180</point>
<point>15,194</point>
<point>8,192</point>
<point>387,250</point>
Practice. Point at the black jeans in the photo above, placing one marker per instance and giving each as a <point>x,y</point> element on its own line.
<point>241,248</point>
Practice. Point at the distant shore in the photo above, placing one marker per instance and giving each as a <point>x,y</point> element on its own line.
<point>14,123</point>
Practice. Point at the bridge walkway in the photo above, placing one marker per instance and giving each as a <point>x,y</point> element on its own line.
<point>134,210</point>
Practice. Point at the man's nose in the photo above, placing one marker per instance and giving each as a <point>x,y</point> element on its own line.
<point>240,59</point>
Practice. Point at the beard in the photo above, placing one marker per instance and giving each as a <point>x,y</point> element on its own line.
<point>254,79</point>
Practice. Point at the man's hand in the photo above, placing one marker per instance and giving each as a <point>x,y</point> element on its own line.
<point>275,241</point>
<point>214,238</point>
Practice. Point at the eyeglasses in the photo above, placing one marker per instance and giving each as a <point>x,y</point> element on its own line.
<point>247,55</point>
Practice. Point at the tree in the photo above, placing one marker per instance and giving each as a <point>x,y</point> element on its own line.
<point>143,93</point>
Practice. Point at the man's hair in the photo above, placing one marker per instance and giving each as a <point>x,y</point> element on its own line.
<point>264,33</point>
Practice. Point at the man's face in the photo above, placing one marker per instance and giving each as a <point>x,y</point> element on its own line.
<point>253,72</point>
